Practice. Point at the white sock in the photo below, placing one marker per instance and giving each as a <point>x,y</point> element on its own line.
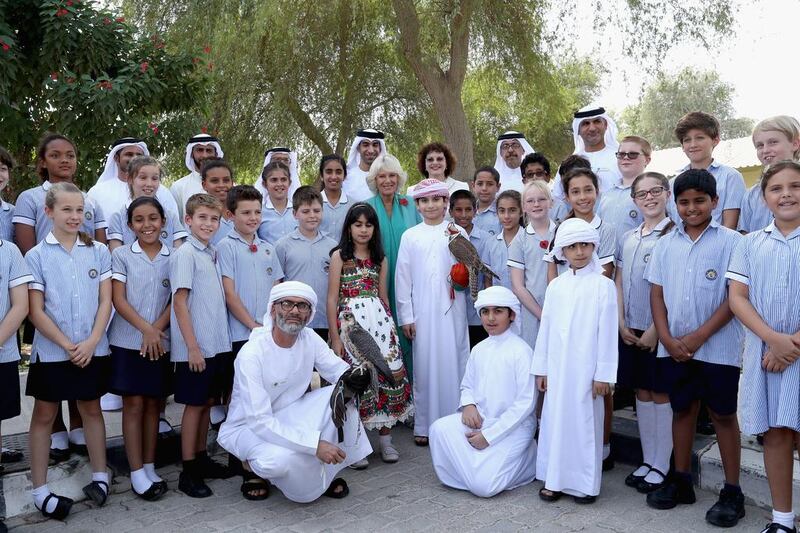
<point>140,482</point>
<point>76,436</point>
<point>217,414</point>
<point>385,440</point>
<point>784,519</point>
<point>606,451</point>
<point>102,476</point>
<point>646,419</point>
<point>663,435</point>
<point>59,440</point>
<point>39,494</point>
<point>150,469</point>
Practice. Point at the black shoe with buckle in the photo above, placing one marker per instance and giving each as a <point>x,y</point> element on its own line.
<point>774,527</point>
<point>729,509</point>
<point>676,489</point>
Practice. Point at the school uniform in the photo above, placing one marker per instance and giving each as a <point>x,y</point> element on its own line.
<point>6,221</point>
<point>275,225</point>
<point>70,282</point>
<point>692,276</point>
<point>308,260</point>
<point>526,253</point>
<point>755,214</point>
<point>118,228</point>
<point>616,207</point>
<point>254,269</point>
<point>487,220</point>
<point>483,243</point>
<point>769,264</point>
<point>637,367</point>
<point>499,259</point>
<point>333,216</point>
<point>560,210</point>
<point>13,273</point>
<point>607,249</point>
<point>29,211</point>
<point>730,190</point>
<point>147,290</point>
<point>194,266</point>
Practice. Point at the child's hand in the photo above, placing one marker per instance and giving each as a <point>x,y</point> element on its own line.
<point>692,341</point>
<point>600,389</point>
<point>470,417</point>
<point>628,337</point>
<point>783,349</point>
<point>541,383</point>
<point>677,349</point>
<point>648,340</point>
<point>151,343</point>
<point>410,331</point>
<point>771,364</point>
<point>477,440</point>
<point>197,362</point>
<point>83,352</point>
<point>337,346</point>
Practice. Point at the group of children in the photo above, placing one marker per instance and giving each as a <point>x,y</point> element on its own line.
<point>646,285</point>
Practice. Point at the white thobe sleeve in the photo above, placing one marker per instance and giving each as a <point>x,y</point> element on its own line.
<point>468,384</point>
<point>521,408</point>
<point>607,343</point>
<point>539,366</point>
<point>256,405</point>
<point>402,284</point>
<point>329,366</point>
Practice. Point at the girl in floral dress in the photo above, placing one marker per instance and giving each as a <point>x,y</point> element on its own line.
<point>357,284</point>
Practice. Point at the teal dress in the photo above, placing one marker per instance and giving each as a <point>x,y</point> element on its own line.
<point>404,216</point>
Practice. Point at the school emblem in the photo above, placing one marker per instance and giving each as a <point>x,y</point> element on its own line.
<point>93,273</point>
<point>165,282</point>
<point>88,215</point>
<point>646,258</point>
<point>711,274</point>
<point>164,234</point>
<point>491,232</point>
<point>269,271</point>
<point>632,213</point>
<point>326,266</point>
<point>266,250</point>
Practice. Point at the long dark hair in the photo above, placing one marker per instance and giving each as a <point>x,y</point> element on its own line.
<point>145,200</point>
<point>346,245</point>
<point>41,152</point>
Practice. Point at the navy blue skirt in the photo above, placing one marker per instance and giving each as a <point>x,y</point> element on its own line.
<point>64,381</point>
<point>134,375</point>
<point>9,390</point>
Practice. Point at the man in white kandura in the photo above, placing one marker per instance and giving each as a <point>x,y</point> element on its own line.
<point>367,146</point>
<point>512,147</point>
<point>280,432</point>
<point>198,149</point>
<point>488,447</point>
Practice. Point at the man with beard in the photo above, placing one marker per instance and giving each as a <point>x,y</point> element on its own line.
<point>367,145</point>
<point>283,434</point>
<point>198,149</point>
<point>511,148</point>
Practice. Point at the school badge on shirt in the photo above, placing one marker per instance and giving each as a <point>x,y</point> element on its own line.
<point>163,234</point>
<point>165,282</point>
<point>326,266</point>
<point>93,273</point>
<point>711,274</point>
<point>646,258</point>
<point>88,215</point>
<point>632,213</point>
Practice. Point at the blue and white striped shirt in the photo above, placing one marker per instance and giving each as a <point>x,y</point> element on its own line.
<point>755,214</point>
<point>634,253</point>
<point>253,272</point>
<point>13,273</point>
<point>560,210</point>
<point>194,266</point>
<point>487,220</point>
<point>606,250</point>
<point>692,275</point>
<point>275,225</point>
<point>118,229</point>
<point>730,190</point>
<point>70,282</point>
<point>498,254</point>
<point>483,243</point>
<point>333,216</point>
<point>30,211</point>
<point>6,221</point>
<point>225,228</point>
<point>616,206</point>
<point>147,290</point>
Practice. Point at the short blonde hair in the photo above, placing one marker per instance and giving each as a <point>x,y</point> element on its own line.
<point>785,124</point>
<point>539,185</point>
<point>389,163</point>
<point>647,148</point>
<point>196,201</point>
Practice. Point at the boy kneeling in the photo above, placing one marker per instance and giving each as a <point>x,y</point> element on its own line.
<point>488,447</point>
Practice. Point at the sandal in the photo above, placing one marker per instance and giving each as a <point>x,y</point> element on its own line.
<point>421,441</point>
<point>95,492</point>
<point>548,495</point>
<point>633,481</point>
<point>341,485</point>
<point>156,491</point>
<point>251,482</point>
<point>62,509</point>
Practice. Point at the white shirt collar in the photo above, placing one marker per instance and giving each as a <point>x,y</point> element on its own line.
<point>51,239</point>
<point>268,203</point>
<point>342,198</point>
<point>596,222</point>
<point>137,248</point>
<point>530,231</point>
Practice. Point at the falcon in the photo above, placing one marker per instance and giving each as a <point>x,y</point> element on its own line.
<point>466,254</point>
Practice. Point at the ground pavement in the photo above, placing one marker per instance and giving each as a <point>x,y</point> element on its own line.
<point>402,497</point>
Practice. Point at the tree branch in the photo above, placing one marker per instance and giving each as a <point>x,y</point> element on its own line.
<point>408,25</point>
<point>305,123</point>
<point>459,42</point>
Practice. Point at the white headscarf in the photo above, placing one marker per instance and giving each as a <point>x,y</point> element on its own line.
<point>296,289</point>
<point>507,173</point>
<point>353,157</point>
<point>499,296</point>
<point>591,111</point>
<point>202,139</point>
<point>575,230</point>
<point>294,175</point>
<point>111,170</point>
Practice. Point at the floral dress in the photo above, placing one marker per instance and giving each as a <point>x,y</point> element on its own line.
<point>358,293</point>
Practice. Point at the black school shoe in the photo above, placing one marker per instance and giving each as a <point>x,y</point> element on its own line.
<point>193,485</point>
<point>677,489</point>
<point>774,527</point>
<point>729,509</point>
<point>210,469</point>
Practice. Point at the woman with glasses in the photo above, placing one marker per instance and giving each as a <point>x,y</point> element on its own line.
<point>616,205</point>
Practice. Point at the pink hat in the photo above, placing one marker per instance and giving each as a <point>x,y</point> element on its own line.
<point>430,187</point>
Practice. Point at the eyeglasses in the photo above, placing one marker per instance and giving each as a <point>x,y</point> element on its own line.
<point>629,155</point>
<point>510,146</point>
<point>287,306</point>
<point>539,174</point>
<point>655,192</point>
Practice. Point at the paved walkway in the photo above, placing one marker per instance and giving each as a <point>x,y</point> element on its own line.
<point>402,497</point>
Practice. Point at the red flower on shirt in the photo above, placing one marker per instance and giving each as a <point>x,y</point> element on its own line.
<point>544,244</point>
<point>253,248</point>
<point>403,201</point>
